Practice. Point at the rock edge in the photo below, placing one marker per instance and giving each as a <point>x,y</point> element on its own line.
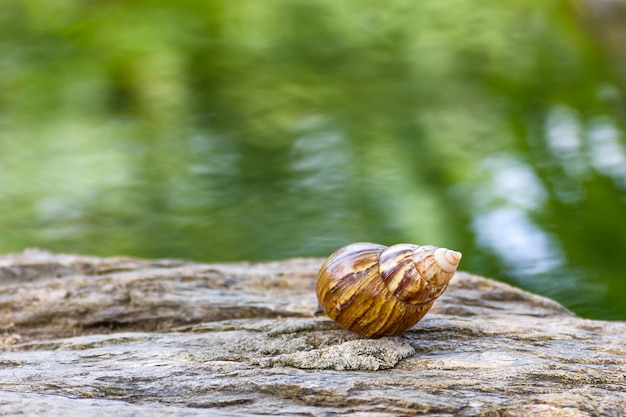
<point>127,336</point>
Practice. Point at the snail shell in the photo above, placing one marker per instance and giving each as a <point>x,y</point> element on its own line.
<point>375,290</point>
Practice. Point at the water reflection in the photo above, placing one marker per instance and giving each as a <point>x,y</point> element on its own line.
<point>221,131</point>
<point>510,183</point>
<point>563,135</point>
<point>522,245</point>
<point>502,223</point>
<point>606,151</point>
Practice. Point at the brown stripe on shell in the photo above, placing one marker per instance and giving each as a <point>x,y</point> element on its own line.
<point>394,317</point>
<point>411,314</point>
<point>395,263</point>
<point>387,316</point>
<point>424,260</point>
<point>350,294</point>
<point>339,277</point>
<point>365,312</point>
<point>427,293</point>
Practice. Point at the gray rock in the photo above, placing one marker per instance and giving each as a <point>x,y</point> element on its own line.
<point>126,337</point>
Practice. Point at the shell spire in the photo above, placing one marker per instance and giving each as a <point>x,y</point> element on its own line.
<point>436,265</point>
<point>418,274</point>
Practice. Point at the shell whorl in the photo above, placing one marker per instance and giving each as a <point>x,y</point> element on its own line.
<point>417,274</point>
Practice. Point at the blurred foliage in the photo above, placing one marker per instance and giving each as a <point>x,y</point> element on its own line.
<point>221,130</point>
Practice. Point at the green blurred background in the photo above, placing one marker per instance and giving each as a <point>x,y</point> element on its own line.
<point>255,130</point>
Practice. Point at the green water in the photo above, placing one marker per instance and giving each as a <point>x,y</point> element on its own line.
<point>258,130</point>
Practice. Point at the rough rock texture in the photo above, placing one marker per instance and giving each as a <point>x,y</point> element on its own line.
<point>126,337</point>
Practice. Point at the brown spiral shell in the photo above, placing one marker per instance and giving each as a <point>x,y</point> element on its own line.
<point>375,290</point>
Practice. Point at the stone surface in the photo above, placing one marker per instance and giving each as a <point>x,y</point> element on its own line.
<point>126,337</point>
